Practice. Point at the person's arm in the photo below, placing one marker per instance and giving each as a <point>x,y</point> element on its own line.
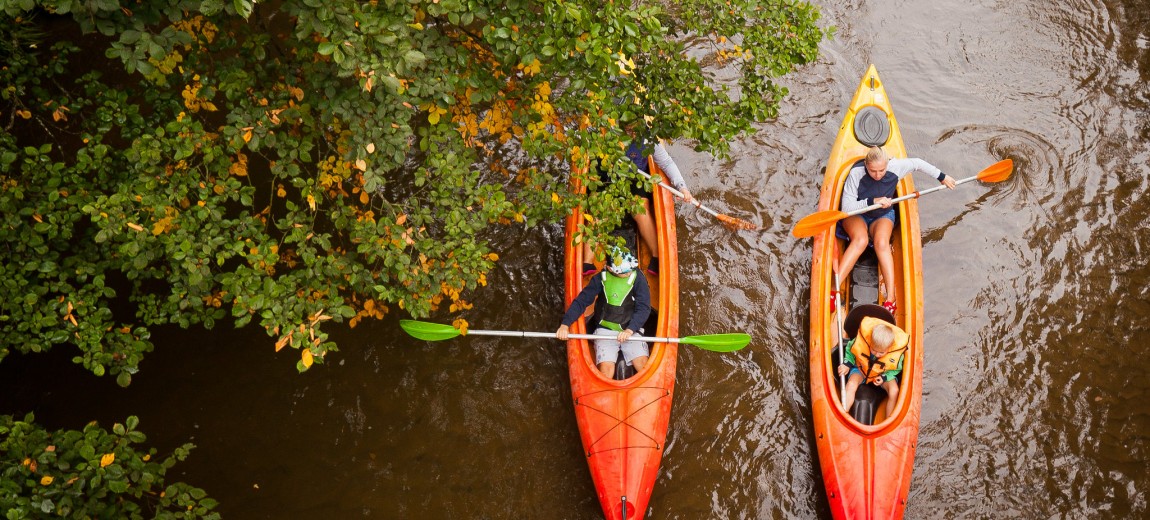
<point>585,298</point>
<point>848,356</point>
<point>664,161</point>
<point>902,167</point>
<point>642,303</point>
<point>850,200</point>
<point>889,375</point>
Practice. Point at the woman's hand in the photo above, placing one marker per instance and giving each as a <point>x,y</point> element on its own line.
<point>843,369</point>
<point>687,195</point>
<point>561,333</point>
<point>625,335</point>
<point>883,201</point>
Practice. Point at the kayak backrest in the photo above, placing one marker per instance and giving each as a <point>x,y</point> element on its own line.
<point>855,316</point>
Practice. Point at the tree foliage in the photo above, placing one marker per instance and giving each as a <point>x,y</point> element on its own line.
<point>90,473</point>
<point>300,161</point>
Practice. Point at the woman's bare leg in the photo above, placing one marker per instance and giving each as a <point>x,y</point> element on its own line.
<point>647,228</point>
<point>881,230</point>
<point>855,227</point>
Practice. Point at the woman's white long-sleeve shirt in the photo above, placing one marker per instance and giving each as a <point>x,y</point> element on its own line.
<point>853,200</point>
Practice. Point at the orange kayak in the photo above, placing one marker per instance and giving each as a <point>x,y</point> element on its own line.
<point>623,424</point>
<point>866,468</point>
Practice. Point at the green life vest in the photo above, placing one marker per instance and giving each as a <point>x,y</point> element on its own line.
<point>620,304</point>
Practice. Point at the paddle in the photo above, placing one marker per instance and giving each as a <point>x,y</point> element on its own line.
<point>816,223</point>
<point>842,355</point>
<point>436,332</point>
<point>727,220</point>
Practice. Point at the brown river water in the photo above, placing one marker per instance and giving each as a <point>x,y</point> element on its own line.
<point>1036,400</point>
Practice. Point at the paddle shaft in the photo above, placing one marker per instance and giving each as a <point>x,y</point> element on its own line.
<point>682,196</point>
<point>914,195</point>
<point>552,335</point>
<point>842,355</point>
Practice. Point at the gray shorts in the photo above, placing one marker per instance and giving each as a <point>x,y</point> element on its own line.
<point>607,350</point>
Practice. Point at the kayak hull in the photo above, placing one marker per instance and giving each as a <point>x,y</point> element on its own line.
<point>866,469</point>
<point>623,424</point>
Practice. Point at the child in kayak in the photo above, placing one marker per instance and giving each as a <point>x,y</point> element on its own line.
<point>874,355</point>
<point>622,301</point>
<point>873,181</point>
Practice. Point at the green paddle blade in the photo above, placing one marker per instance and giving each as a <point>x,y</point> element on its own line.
<point>428,331</point>
<point>719,342</point>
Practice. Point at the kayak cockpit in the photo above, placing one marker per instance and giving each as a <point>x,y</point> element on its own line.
<point>867,408</point>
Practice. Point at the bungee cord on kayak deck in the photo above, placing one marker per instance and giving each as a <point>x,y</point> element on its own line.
<point>623,421</point>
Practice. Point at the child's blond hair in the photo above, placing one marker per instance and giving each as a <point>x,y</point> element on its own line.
<point>881,337</point>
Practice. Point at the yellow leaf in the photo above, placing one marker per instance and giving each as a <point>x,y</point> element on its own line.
<point>282,341</point>
<point>239,168</point>
<point>107,459</point>
<point>281,191</point>
<point>311,202</point>
<point>361,164</point>
<point>555,197</point>
<point>307,358</point>
<point>147,457</point>
<point>460,324</point>
<point>135,226</point>
<point>46,480</point>
<point>370,147</point>
<point>248,134</point>
<point>24,114</point>
<point>401,219</point>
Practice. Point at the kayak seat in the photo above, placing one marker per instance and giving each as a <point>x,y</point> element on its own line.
<point>872,126</point>
<point>622,369</point>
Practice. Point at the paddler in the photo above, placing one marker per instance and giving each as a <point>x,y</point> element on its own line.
<point>638,150</point>
<point>870,181</point>
<point>874,355</point>
<point>622,301</point>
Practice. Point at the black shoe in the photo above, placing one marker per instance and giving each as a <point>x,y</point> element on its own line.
<point>589,269</point>
<point>653,266</point>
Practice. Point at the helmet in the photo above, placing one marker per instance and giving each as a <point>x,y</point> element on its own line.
<point>621,261</point>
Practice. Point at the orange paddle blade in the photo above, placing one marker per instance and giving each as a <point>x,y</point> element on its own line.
<point>815,223</point>
<point>997,172</point>
<point>736,223</point>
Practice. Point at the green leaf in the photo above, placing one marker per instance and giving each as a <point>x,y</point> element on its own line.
<point>414,58</point>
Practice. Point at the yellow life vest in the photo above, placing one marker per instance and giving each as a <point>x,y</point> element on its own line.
<point>861,349</point>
